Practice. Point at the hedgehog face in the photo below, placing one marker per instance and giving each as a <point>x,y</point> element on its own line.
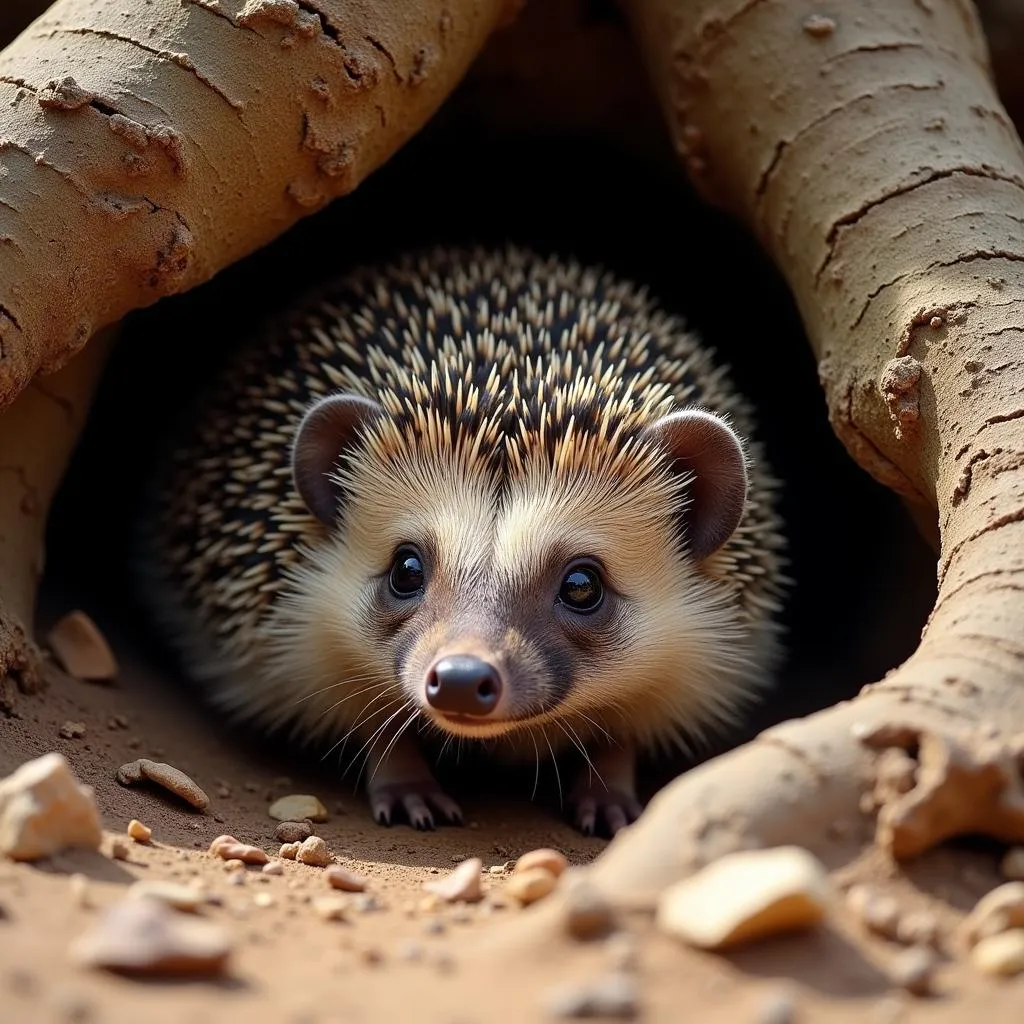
<point>535,594</point>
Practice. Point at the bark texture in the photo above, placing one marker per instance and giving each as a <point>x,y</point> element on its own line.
<point>873,159</point>
<point>146,145</point>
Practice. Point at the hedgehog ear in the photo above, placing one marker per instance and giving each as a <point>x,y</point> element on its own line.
<point>326,430</point>
<point>701,443</point>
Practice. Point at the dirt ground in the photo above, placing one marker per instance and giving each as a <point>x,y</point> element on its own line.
<point>486,962</point>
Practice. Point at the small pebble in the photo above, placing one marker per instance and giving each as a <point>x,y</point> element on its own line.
<point>935,323</point>
<point>550,860</point>
<point>920,928</point>
<point>119,849</point>
<point>612,996</point>
<point>877,912</point>
<point>81,648</point>
<point>1012,865</point>
<point>236,877</point>
<point>288,851</point>
<point>341,878</point>
<point>531,885</point>
<point>72,731</point>
<point>44,809</point>
<point>273,867</point>
<point>496,869</point>
<point>296,807</point>
<point>180,897</point>
<point>746,896</point>
<point>263,899</point>
<point>117,722</point>
<point>464,884</point>
<point>139,832</point>
<point>293,831</point>
<point>434,926</point>
<point>145,936</point>
<point>410,951</point>
<point>1001,955</point>
<point>331,908</point>
<point>819,25</point>
<point>912,969</point>
<point>366,903</point>
<point>174,780</point>
<point>313,851</point>
<point>587,913</point>
<point>241,852</point>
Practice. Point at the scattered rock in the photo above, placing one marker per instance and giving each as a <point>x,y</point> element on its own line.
<point>71,730</point>
<point>912,969</point>
<point>587,913</point>
<point>288,851</point>
<point>611,996</point>
<point>313,851</point>
<point>165,775</point>
<point>263,900</point>
<point>139,832</point>
<point>819,25</point>
<point>550,860</point>
<point>241,852</point>
<point>118,849</point>
<point>221,841</point>
<point>180,897</point>
<point>746,896</point>
<point>44,809</point>
<point>81,648</point>
<point>1001,954</point>
<point>996,911</point>
<point>1012,865</point>
<point>331,908</point>
<point>464,884</point>
<point>920,928</point>
<point>293,831</point>
<point>145,936</point>
<point>273,867</point>
<point>296,807</point>
<point>878,913</point>
<point>531,885</point>
<point>341,878</point>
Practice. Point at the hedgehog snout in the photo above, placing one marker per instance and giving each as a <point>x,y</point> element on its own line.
<point>463,684</point>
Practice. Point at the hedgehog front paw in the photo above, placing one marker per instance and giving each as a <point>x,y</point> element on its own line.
<point>593,805</point>
<point>416,799</point>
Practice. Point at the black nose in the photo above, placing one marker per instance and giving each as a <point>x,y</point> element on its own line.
<point>463,685</point>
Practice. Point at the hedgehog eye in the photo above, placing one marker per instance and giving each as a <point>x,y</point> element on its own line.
<point>582,589</point>
<point>406,577</point>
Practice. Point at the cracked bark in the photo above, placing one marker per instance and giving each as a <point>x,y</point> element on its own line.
<point>910,249</point>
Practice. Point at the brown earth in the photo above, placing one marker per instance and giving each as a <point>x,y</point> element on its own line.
<point>484,962</point>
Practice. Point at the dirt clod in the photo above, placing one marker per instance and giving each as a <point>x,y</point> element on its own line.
<point>1001,954</point>
<point>464,884</point>
<point>746,896</point>
<point>44,809</point>
<point>611,996</point>
<point>912,969</point>
<point>146,936</point>
<point>165,775</point>
<point>288,851</point>
<point>531,885</point>
<point>550,860</point>
<point>587,913</point>
<point>345,880</point>
<point>71,730</point>
<point>81,648</point>
<point>313,851</point>
<point>293,831</point>
<point>296,807</point>
<point>139,832</point>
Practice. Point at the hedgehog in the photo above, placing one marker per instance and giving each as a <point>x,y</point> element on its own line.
<point>473,497</point>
